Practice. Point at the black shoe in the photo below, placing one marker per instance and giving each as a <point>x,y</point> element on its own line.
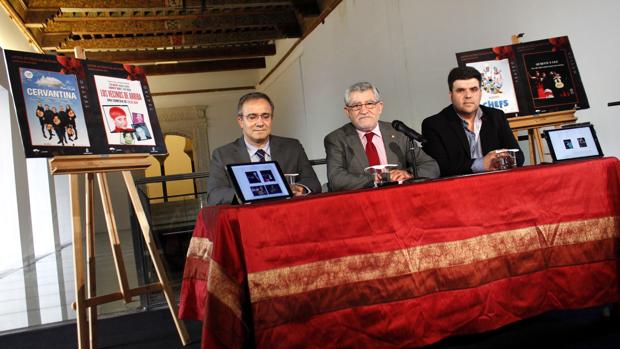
<point>59,142</point>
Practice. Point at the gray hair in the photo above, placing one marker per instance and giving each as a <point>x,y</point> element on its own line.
<point>360,87</point>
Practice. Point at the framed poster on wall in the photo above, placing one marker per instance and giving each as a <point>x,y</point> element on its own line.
<point>534,77</point>
<point>68,106</point>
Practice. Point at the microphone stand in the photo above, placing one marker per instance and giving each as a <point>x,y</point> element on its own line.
<point>412,148</point>
<point>413,145</point>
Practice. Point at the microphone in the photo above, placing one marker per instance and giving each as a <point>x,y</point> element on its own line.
<point>407,131</point>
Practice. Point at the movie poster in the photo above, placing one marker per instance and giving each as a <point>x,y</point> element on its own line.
<point>498,91</point>
<point>124,112</point>
<point>68,106</point>
<point>544,75</point>
<point>501,83</point>
<point>54,109</point>
<point>49,93</point>
<point>553,79</point>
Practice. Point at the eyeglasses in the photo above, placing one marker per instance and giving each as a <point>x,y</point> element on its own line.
<point>368,105</point>
<point>254,117</point>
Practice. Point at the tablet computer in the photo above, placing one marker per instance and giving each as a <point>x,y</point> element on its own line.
<point>257,181</point>
<point>573,142</point>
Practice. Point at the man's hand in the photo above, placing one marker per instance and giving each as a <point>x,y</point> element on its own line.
<point>298,190</point>
<point>491,161</point>
<point>399,175</point>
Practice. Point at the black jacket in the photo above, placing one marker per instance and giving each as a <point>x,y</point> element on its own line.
<point>447,142</point>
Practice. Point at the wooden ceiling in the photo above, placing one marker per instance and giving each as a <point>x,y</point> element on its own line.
<point>168,36</point>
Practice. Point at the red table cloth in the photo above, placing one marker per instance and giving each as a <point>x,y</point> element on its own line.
<point>408,265</point>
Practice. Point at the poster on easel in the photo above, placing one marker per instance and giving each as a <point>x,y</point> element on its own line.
<point>543,74</point>
<point>498,90</point>
<point>68,106</point>
<point>551,69</point>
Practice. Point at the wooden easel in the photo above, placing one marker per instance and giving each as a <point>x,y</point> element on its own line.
<point>533,124</point>
<point>86,298</point>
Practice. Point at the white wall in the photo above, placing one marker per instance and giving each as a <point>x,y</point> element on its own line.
<point>43,207</point>
<point>200,81</point>
<point>11,37</point>
<point>17,245</point>
<point>15,215</point>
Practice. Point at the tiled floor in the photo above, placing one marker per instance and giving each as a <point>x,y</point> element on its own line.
<point>43,292</point>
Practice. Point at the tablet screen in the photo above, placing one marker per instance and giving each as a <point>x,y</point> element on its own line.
<point>573,143</point>
<point>258,181</point>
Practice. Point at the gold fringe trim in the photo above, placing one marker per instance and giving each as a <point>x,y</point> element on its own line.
<point>200,248</point>
<point>219,285</point>
<point>223,288</point>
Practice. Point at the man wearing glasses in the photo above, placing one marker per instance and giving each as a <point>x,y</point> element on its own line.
<point>254,116</point>
<point>366,141</point>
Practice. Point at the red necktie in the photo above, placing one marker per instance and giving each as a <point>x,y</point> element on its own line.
<point>371,150</point>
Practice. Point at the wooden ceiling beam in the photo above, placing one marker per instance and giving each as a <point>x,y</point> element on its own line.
<point>51,42</point>
<point>206,66</point>
<point>97,3</point>
<point>138,4</point>
<point>66,15</point>
<point>198,23</point>
<point>275,13</point>
<point>307,7</point>
<point>18,6</point>
<point>242,51</point>
<point>38,18</point>
<point>199,35</point>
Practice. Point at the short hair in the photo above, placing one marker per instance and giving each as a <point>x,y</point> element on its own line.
<point>116,112</point>
<point>361,87</point>
<point>463,73</point>
<point>252,96</point>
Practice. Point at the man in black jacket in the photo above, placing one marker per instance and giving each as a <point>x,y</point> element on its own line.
<point>464,136</point>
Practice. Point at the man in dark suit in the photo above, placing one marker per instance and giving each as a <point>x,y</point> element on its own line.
<point>254,116</point>
<point>48,117</point>
<point>366,141</point>
<point>464,136</point>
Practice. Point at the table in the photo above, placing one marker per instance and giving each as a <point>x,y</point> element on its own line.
<point>406,266</point>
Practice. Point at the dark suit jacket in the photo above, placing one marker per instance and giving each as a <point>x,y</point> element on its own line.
<point>287,152</point>
<point>346,158</point>
<point>447,143</point>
